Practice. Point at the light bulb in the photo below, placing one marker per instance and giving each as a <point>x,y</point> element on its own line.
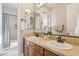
<point>27,11</point>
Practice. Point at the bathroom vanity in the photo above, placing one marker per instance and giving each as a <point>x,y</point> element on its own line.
<point>39,46</point>
<point>32,49</point>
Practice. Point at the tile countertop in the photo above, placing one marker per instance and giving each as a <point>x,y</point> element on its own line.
<point>43,43</point>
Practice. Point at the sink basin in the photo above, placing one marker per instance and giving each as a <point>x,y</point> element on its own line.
<point>58,45</point>
<point>32,38</point>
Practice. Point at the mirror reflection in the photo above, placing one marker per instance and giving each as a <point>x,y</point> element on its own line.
<point>57,18</point>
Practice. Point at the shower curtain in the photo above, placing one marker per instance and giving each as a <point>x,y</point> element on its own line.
<point>5,31</point>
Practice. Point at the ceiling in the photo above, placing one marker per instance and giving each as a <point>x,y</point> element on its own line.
<point>52,5</point>
<point>12,6</point>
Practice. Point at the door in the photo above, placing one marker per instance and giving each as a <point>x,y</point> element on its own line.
<point>13,28</point>
<point>9,30</point>
<point>5,31</point>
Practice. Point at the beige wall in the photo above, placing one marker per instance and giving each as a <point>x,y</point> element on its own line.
<point>72,17</point>
<point>23,6</point>
<point>21,14</point>
<point>13,29</point>
<point>58,16</point>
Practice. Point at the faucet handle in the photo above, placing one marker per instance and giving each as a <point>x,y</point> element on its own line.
<point>58,39</point>
<point>62,40</point>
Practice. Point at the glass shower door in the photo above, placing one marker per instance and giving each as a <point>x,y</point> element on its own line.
<point>5,31</point>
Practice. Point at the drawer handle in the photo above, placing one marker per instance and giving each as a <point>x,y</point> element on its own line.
<point>38,50</point>
<point>31,45</point>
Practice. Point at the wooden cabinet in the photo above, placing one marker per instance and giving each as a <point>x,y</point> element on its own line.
<point>31,49</point>
<point>26,51</point>
<point>32,45</point>
<point>48,53</point>
<point>39,50</point>
<point>37,54</point>
<point>25,47</point>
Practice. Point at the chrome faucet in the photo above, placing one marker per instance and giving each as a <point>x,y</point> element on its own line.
<point>59,39</point>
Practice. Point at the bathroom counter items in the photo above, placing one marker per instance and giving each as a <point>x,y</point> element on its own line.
<point>40,41</point>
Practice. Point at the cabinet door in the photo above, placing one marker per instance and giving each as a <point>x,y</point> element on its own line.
<point>48,53</point>
<point>31,52</point>
<point>32,45</point>
<point>39,50</point>
<point>25,47</point>
<point>26,51</point>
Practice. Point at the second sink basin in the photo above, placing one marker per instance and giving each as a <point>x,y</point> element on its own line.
<point>32,38</point>
<point>58,45</point>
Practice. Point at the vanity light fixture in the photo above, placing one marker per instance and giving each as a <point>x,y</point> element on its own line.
<point>40,4</point>
<point>27,11</point>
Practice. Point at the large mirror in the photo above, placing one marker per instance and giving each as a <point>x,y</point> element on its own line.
<point>30,22</point>
<point>62,18</point>
<point>59,18</point>
<point>42,19</point>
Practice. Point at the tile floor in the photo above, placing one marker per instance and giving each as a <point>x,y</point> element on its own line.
<point>11,51</point>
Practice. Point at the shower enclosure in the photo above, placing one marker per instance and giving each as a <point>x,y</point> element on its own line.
<point>9,27</point>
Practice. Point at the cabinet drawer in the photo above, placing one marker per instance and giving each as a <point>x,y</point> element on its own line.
<point>31,52</point>
<point>48,53</point>
<point>32,45</point>
<point>37,54</point>
<point>39,49</point>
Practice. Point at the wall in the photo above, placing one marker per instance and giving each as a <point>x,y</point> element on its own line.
<point>21,14</point>
<point>23,7</point>
<point>58,16</point>
<point>11,12</point>
<point>13,29</point>
<point>9,8</point>
<point>72,17</point>
<point>0,23</point>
